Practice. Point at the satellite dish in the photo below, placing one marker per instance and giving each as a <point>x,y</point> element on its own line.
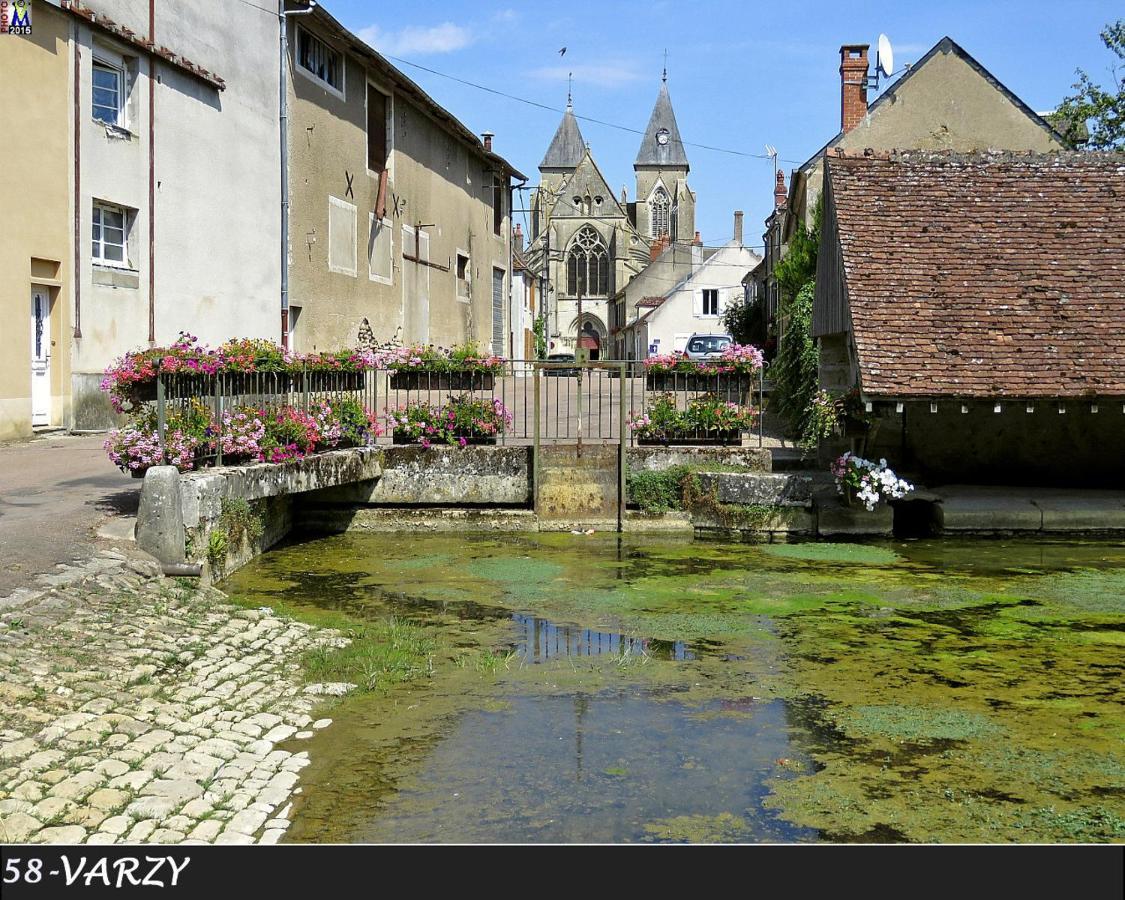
<point>885,57</point>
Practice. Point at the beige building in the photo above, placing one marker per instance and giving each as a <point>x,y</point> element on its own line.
<point>945,101</point>
<point>35,219</point>
<point>399,215</point>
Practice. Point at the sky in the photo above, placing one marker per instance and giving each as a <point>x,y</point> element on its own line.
<point>741,74</point>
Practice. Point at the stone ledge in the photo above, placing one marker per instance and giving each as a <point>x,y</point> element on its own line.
<point>657,459</point>
<point>758,488</point>
<point>834,518</point>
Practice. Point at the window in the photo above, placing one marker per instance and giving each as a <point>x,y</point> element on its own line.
<point>341,237</point>
<point>110,235</point>
<point>659,206</point>
<point>497,204</point>
<point>108,88</point>
<point>464,274</point>
<point>379,250</point>
<point>320,61</point>
<point>378,129</point>
<point>587,265</point>
<point>710,302</point>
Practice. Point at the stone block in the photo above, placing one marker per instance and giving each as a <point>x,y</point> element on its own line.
<point>1082,511</point>
<point>656,459</point>
<point>835,518</point>
<point>988,510</point>
<point>160,518</point>
<point>758,488</point>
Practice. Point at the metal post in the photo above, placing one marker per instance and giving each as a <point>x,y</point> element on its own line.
<point>535,443</point>
<point>161,418</point>
<point>622,458</point>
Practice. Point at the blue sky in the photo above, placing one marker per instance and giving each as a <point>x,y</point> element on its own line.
<point>741,74</point>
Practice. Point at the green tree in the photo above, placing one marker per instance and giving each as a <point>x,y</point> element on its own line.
<point>1094,116</point>
<point>798,266</point>
<point>795,370</point>
<point>745,319</point>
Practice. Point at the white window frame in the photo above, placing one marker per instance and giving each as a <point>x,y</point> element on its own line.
<point>104,59</point>
<point>340,91</point>
<point>390,129</point>
<point>388,224</point>
<point>99,259</point>
<point>350,207</point>
<point>703,303</point>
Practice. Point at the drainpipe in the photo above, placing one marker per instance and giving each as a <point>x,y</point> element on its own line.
<point>76,275</point>
<point>283,123</point>
<point>151,177</point>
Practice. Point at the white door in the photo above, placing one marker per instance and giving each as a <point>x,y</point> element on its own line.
<point>40,357</point>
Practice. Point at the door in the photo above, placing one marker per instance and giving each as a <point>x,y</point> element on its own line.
<point>40,357</point>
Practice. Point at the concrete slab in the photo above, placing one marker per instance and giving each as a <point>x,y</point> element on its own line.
<point>118,528</point>
<point>656,459</point>
<point>758,488</point>
<point>984,509</point>
<point>418,520</point>
<point>1082,511</point>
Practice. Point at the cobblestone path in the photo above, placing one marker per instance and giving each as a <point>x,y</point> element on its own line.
<point>138,708</point>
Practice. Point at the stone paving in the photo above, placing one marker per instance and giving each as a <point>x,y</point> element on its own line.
<point>136,708</point>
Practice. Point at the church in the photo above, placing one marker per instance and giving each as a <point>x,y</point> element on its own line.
<point>591,242</point>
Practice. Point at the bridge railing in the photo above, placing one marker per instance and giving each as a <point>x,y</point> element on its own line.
<point>524,401</point>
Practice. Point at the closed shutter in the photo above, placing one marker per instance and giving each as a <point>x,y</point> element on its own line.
<point>498,311</point>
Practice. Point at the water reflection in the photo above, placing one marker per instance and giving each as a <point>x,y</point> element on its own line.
<point>543,640</point>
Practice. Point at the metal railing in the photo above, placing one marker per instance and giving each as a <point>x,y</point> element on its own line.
<point>549,402</point>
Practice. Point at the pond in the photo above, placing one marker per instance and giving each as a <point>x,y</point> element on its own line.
<point>611,688</point>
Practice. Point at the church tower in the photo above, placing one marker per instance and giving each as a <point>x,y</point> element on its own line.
<point>561,159</point>
<point>665,203</point>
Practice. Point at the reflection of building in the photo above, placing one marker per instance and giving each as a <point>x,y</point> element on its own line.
<point>591,242</point>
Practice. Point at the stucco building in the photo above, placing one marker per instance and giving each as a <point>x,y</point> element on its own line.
<point>399,216</point>
<point>977,302</point>
<point>589,240</point>
<point>149,196</point>
<point>945,101</point>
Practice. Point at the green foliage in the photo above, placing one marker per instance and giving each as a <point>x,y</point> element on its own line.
<point>1094,116</point>
<point>540,337</point>
<point>378,656</point>
<point>657,492</point>
<point>239,520</point>
<point>798,266</point>
<point>795,370</point>
<point>745,320</point>
<point>217,547</point>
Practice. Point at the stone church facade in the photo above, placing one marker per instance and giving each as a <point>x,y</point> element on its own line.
<point>589,241</point>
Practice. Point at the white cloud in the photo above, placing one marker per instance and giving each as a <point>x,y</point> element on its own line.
<point>603,75</point>
<point>505,16</point>
<point>418,40</point>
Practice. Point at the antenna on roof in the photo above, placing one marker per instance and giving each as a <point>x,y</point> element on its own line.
<point>771,152</point>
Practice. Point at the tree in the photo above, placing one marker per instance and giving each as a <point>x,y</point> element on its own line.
<point>1094,109</point>
<point>795,370</point>
<point>798,266</point>
<point>745,319</point>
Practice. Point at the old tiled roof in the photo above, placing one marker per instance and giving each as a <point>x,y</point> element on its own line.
<point>650,302</point>
<point>986,275</point>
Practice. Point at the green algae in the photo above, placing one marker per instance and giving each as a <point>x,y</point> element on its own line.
<point>827,552</point>
<point>725,828</point>
<point>941,691</point>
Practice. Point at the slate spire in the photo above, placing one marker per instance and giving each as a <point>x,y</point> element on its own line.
<point>661,145</point>
<point>567,146</point>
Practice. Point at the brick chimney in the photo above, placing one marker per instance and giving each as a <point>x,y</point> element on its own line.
<point>658,247</point>
<point>779,192</point>
<point>517,237</point>
<point>488,135</point>
<point>698,242</point>
<point>853,85</point>
<point>738,225</point>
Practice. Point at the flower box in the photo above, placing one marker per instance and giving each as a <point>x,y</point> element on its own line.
<point>401,439</point>
<point>703,439</point>
<point>731,382</point>
<point>428,380</point>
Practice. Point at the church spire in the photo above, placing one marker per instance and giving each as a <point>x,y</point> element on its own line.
<point>568,145</point>
<point>661,145</point>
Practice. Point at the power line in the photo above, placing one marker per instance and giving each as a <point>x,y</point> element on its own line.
<point>554,109</point>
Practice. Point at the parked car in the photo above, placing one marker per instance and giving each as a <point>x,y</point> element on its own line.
<point>707,346</point>
<point>560,358</point>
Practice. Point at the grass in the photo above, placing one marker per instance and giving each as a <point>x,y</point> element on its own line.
<point>379,655</point>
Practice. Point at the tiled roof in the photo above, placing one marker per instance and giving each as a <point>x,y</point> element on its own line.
<point>650,302</point>
<point>985,275</point>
